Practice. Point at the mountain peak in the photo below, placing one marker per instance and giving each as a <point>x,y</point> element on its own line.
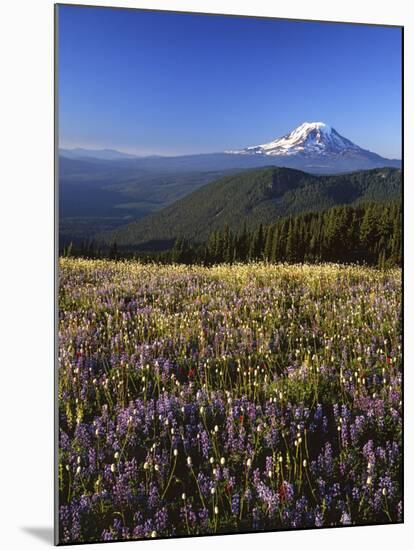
<point>309,139</point>
<point>315,126</point>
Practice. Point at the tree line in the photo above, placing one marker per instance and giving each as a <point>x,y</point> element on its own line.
<point>368,233</point>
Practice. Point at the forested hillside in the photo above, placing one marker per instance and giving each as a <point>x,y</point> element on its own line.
<point>369,233</point>
<point>252,198</point>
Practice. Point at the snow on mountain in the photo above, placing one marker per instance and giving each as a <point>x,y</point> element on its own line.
<point>310,139</point>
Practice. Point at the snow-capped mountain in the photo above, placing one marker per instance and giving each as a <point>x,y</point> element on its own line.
<point>310,139</point>
<point>313,147</point>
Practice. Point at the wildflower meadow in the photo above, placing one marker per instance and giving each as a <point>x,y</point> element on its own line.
<point>232,398</point>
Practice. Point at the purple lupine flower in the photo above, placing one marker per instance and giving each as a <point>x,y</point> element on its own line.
<point>345,519</point>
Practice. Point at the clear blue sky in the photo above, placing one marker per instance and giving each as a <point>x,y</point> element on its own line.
<point>149,82</point>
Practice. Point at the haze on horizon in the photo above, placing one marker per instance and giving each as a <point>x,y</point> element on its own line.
<point>166,83</point>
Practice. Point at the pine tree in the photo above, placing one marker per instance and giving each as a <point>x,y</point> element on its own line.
<point>268,244</point>
<point>290,243</point>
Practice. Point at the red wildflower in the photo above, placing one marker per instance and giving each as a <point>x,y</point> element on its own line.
<point>282,492</point>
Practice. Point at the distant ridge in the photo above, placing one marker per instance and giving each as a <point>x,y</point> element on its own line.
<point>102,154</point>
<point>314,147</point>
